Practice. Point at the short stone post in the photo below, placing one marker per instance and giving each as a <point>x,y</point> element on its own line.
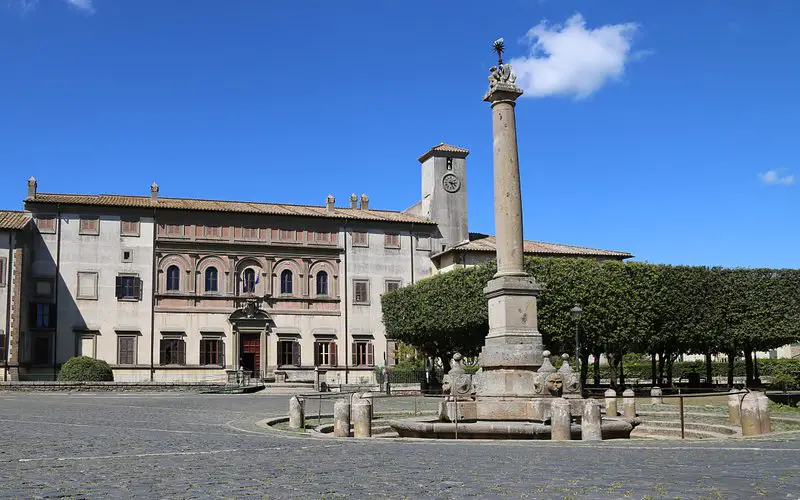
<point>560,421</point>
<point>341,418</point>
<point>362,418</point>
<point>734,407</point>
<point>590,423</point>
<point>611,403</point>
<point>297,419</point>
<point>751,424</point>
<point>763,413</point>
<point>628,404</point>
<point>656,396</point>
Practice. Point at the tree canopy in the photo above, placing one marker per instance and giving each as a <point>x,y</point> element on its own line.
<point>632,307</point>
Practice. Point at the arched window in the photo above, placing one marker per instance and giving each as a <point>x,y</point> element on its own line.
<point>173,278</point>
<point>322,283</point>
<point>211,279</point>
<point>286,281</point>
<point>249,281</point>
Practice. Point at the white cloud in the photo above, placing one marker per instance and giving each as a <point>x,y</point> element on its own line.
<point>773,177</point>
<point>84,5</point>
<point>573,59</point>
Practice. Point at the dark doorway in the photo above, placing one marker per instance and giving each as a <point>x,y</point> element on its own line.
<point>251,354</point>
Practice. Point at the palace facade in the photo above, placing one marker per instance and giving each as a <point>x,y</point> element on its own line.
<point>169,289</point>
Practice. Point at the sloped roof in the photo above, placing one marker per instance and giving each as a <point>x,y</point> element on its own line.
<point>13,220</point>
<point>483,243</point>
<point>120,201</point>
<point>443,148</point>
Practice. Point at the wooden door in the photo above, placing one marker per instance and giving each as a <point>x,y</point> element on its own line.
<point>251,349</point>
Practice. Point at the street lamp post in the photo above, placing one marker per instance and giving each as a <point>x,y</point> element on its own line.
<point>576,315</point>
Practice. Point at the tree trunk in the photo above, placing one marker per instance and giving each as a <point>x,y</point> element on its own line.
<point>597,369</point>
<point>613,363</point>
<point>621,373</point>
<point>748,366</point>
<point>653,367</point>
<point>661,369</point>
<point>731,361</point>
<point>709,369</point>
<point>584,368</point>
<point>670,364</point>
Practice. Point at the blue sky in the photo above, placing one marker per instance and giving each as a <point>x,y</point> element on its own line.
<point>666,129</point>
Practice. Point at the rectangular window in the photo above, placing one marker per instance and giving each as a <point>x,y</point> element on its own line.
<point>129,227</point>
<point>88,346</point>
<point>212,352</point>
<point>250,233</point>
<point>323,236</point>
<point>213,231</point>
<point>174,230</point>
<point>126,255</point>
<point>126,350</point>
<point>361,292</point>
<point>42,315</point>
<point>360,239</point>
<point>391,240</point>
<point>129,288</point>
<point>392,285</point>
<point>173,352</point>
<point>41,351</point>
<point>47,224</point>
<point>288,353</point>
<point>3,271</point>
<point>89,225</point>
<point>325,353</point>
<point>87,285</point>
<point>43,287</point>
<point>423,243</point>
<point>286,235</point>
<point>363,354</point>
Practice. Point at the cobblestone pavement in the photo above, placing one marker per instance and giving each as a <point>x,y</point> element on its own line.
<point>188,446</point>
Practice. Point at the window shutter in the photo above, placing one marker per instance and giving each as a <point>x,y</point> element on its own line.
<point>370,355</point>
<point>332,354</point>
<point>354,356</point>
<point>119,286</point>
<point>221,347</point>
<point>32,315</point>
<point>182,352</point>
<point>316,354</point>
<point>137,288</point>
<point>296,353</point>
<point>163,352</point>
<point>203,351</point>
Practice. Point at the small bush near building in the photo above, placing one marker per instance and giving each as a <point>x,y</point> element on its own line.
<point>85,369</point>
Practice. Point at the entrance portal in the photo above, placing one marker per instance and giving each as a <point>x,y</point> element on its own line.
<point>251,354</point>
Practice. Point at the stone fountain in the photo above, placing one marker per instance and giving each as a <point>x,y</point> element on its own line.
<point>517,389</point>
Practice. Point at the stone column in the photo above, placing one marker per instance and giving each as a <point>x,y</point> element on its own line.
<point>591,421</point>
<point>751,424</point>
<point>734,407</point>
<point>362,417</point>
<point>296,413</point>
<point>656,396</point>
<point>561,421</point>
<point>341,418</point>
<point>628,404</point>
<point>611,403</point>
<point>763,413</point>
<point>513,346</point>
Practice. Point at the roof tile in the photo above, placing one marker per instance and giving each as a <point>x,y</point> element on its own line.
<point>13,220</point>
<point>482,243</point>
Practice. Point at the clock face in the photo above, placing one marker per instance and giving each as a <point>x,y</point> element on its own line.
<point>451,183</point>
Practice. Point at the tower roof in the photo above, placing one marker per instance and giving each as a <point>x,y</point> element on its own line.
<point>444,148</point>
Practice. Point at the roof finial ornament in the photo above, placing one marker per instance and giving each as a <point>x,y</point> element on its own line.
<point>501,77</point>
<point>499,46</point>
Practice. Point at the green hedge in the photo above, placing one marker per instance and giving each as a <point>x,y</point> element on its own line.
<point>718,369</point>
<point>85,369</point>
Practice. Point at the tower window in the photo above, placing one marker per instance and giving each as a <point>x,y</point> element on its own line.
<point>449,164</point>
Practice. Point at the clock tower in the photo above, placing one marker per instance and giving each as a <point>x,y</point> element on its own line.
<point>444,193</point>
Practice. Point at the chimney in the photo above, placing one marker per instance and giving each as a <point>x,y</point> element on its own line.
<point>353,201</point>
<point>154,191</point>
<point>32,188</point>
<point>364,202</point>
<point>330,201</point>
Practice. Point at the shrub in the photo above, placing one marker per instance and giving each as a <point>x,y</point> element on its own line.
<point>85,369</point>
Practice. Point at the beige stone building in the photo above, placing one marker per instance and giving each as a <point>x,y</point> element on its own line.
<point>186,289</point>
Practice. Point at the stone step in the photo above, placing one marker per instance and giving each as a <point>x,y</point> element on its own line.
<point>668,432</point>
<point>699,426</point>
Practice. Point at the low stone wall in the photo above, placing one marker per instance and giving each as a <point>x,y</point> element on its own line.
<point>49,386</point>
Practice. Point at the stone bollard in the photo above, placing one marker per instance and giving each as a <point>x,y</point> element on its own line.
<point>628,404</point>
<point>369,398</point>
<point>751,424</point>
<point>560,421</point>
<point>341,418</point>
<point>362,418</point>
<point>590,423</point>
<point>734,407</point>
<point>763,413</point>
<point>611,403</point>
<point>656,396</point>
<point>297,418</point>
